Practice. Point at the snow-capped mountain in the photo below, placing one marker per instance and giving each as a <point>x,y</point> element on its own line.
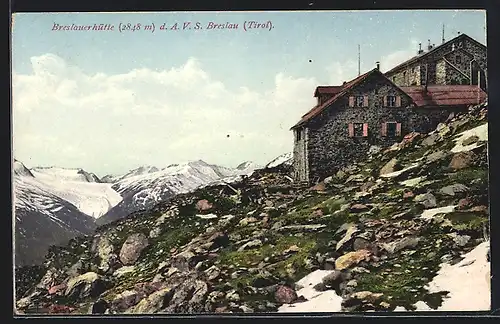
<point>135,172</point>
<point>145,190</point>
<point>42,218</point>
<point>20,169</point>
<point>66,174</point>
<point>282,160</point>
<point>80,188</point>
<point>53,204</point>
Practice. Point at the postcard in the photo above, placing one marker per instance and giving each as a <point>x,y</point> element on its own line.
<point>250,162</point>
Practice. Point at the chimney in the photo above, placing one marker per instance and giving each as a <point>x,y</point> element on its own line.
<point>343,83</point>
<point>429,46</point>
<point>420,50</point>
<point>378,65</point>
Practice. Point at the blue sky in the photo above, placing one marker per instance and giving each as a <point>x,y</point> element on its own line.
<point>272,74</point>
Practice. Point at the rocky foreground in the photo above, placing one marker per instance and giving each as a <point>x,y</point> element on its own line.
<point>371,237</point>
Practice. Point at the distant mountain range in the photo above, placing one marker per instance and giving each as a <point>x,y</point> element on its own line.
<point>54,204</point>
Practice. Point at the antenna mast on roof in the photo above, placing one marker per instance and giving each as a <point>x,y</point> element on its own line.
<point>359,60</point>
<point>442,38</point>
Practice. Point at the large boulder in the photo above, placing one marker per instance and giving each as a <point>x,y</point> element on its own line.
<point>132,248</point>
<point>88,284</point>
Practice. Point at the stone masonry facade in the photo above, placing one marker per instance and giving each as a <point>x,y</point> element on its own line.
<point>459,55</point>
<point>326,144</point>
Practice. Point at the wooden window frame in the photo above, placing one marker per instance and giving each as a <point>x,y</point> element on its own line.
<point>397,101</point>
<point>357,100</point>
<point>352,130</point>
<point>397,133</point>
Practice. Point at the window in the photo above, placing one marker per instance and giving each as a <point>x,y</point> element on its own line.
<point>393,79</point>
<point>299,134</point>
<point>391,101</point>
<point>458,59</point>
<point>358,129</point>
<point>359,100</point>
<point>391,129</point>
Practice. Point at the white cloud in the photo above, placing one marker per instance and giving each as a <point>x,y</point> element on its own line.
<point>342,71</point>
<point>111,123</point>
<point>393,59</point>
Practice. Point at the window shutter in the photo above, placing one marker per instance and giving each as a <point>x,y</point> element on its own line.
<point>384,129</point>
<point>398,129</point>
<point>385,101</point>
<point>351,130</point>
<point>365,129</point>
<point>398,101</point>
<point>351,101</point>
<point>365,101</point>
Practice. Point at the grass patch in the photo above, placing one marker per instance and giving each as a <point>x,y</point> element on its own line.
<point>405,285</point>
<point>466,221</point>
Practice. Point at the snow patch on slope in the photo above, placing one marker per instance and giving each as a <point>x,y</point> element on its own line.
<point>467,281</point>
<point>91,198</point>
<point>317,301</point>
<point>480,131</point>
<point>66,174</point>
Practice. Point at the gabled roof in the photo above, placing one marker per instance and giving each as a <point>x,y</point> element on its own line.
<point>446,95</point>
<point>330,90</point>
<point>346,87</point>
<point>419,57</point>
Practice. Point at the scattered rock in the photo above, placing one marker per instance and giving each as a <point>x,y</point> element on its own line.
<point>351,258</point>
<point>248,220</point>
<point>348,236</point>
<point>435,156</point>
<point>250,245</point>
<point>361,244</point>
<point>358,208</point>
<point>431,139</point>
<point>460,240</point>
<point>390,167</point>
<point>464,203</point>
<point>427,200</point>
<point>285,295</point>
<point>203,205</point>
<point>153,303</point>
<point>292,249</point>
<point>470,140</point>
<point>85,285</point>
<point>454,189</point>
<point>396,246</point>
<point>99,307</point>
<point>408,194</point>
<point>132,248</point>
<point>59,309</point>
<point>462,160</point>
<point>56,289</point>
<point>319,187</point>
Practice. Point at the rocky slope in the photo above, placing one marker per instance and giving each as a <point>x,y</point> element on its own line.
<point>374,236</point>
<point>43,219</point>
